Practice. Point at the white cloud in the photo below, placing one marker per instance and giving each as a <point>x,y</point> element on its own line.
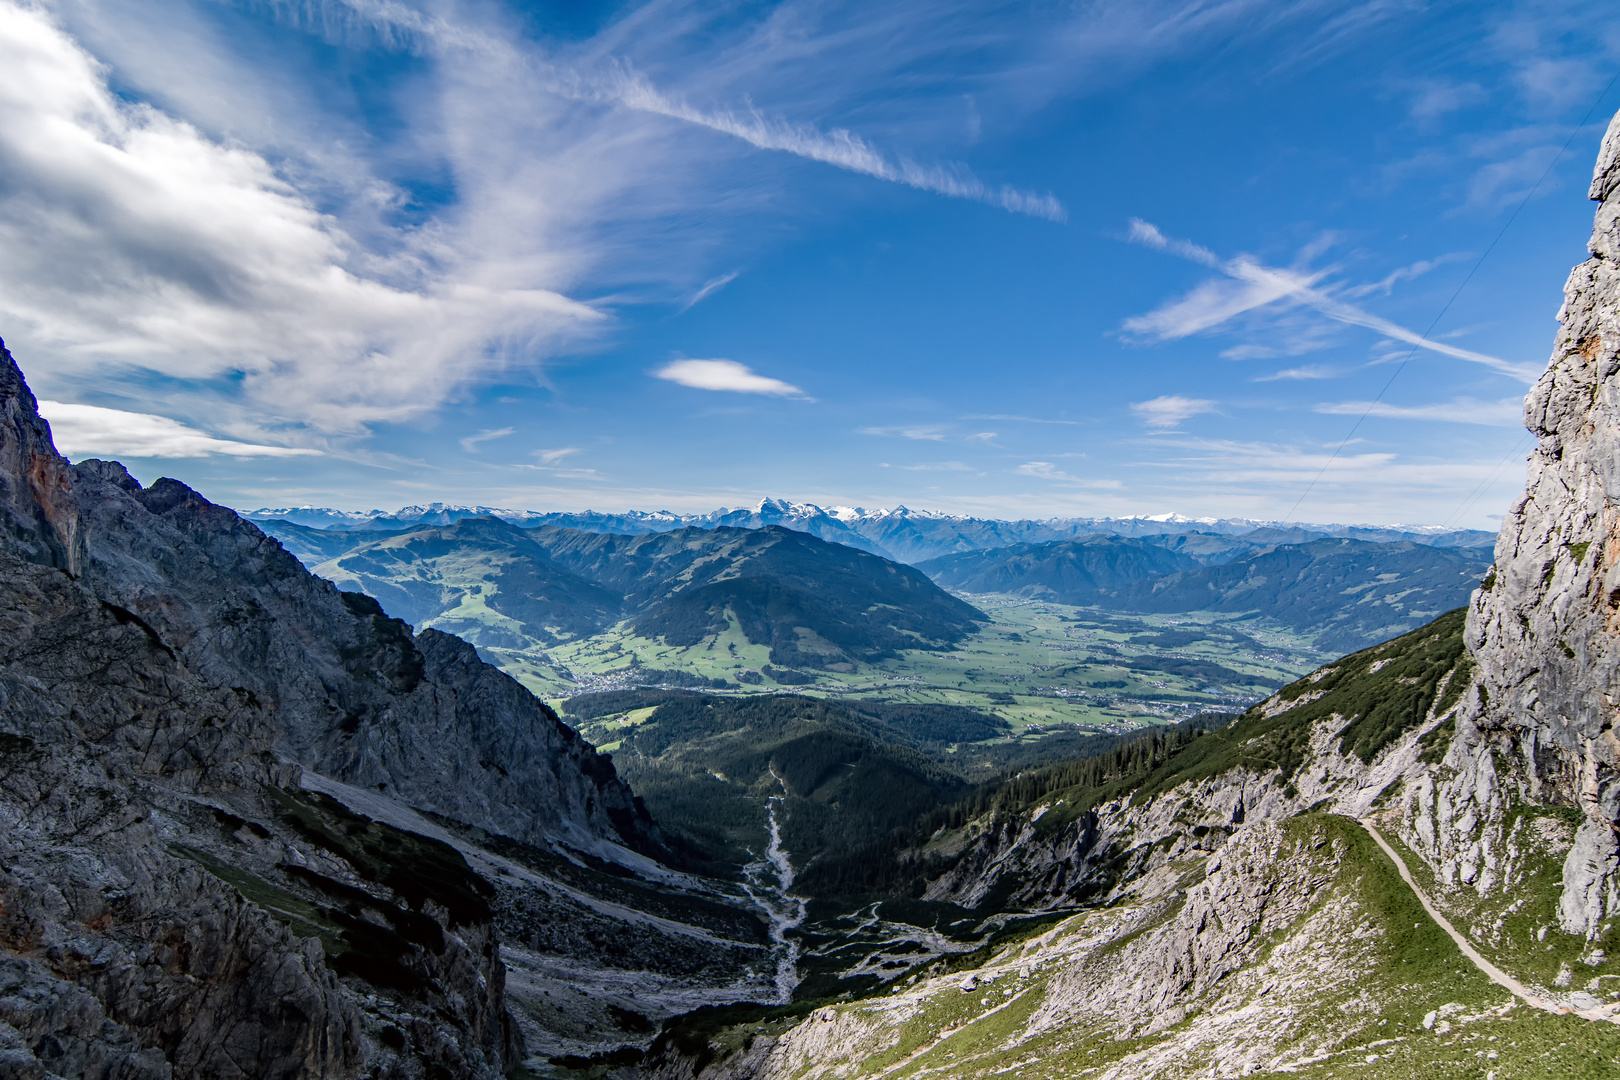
<point>725,375</point>
<point>81,431</point>
<point>1248,285</point>
<point>552,457</point>
<point>1404,273</point>
<point>1148,235</point>
<point>840,148</point>
<point>921,434</point>
<point>135,243</point>
<point>1558,82</point>
<point>1434,98</point>
<point>1043,469</point>
<point>1046,470</point>
<point>471,443</point>
<point>939,466</point>
<point>554,463</point>
<point>1508,412</point>
<point>708,289</point>
<point>1166,412</point>
<point>1513,175</point>
<point>1307,371</point>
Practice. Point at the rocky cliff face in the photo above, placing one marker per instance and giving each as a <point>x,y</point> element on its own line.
<point>37,508</point>
<point>354,694</point>
<point>176,900</point>
<point>1546,629</point>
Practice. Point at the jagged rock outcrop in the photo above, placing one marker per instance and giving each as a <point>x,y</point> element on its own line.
<point>1546,627</point>
<point>172,902</point>
<point>37,509</point>
<point>355,695</point>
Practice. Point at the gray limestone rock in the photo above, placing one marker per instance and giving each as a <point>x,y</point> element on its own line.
<point>354,694</point>
<point>171,902</point>
<point>1545,629</point>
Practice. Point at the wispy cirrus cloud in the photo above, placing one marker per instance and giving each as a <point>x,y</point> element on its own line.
<point>1303,372</point>
<point>90,430</point>
<point>708,289</point>
<point>1434,98</point>
<point>553,457</point>
<point>1046,470</point>
<point>838,147</point>
<point>1387,284</point>
<point>1508,412</point>
<point>555,462</point>
<point>1247,285</point>
<point>471,443</point>
<point>923,433</point>
<point>726,375</point>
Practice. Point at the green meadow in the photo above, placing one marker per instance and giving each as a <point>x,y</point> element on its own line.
<point>1039,665</point>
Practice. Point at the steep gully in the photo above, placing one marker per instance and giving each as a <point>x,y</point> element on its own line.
<point>784,911</point>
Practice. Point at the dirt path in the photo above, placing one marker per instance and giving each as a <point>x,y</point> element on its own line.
<point>1492,972</point>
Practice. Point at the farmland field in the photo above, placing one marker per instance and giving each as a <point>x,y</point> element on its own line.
<point>1036,664</point>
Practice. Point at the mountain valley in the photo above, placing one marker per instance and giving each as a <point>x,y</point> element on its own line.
<point>1089,632</point>
<point>1273,804</point>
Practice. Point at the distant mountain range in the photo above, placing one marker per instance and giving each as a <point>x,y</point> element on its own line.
<point>901,534</point>
<point>816,604</point>
<point>1346,594</point>
<point>824,604</point>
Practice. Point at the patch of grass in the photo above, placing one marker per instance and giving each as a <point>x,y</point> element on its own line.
<point>1515,924</point>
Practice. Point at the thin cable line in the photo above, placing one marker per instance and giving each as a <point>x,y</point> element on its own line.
<point>1473,496</point>
<point>1425,336</point>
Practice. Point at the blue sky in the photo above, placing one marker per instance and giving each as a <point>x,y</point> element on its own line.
<point>1124,256</point>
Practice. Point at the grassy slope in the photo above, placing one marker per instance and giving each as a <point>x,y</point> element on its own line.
<point>1515,923</point>
<point>1341,990</point>
<point>1380,692</point>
